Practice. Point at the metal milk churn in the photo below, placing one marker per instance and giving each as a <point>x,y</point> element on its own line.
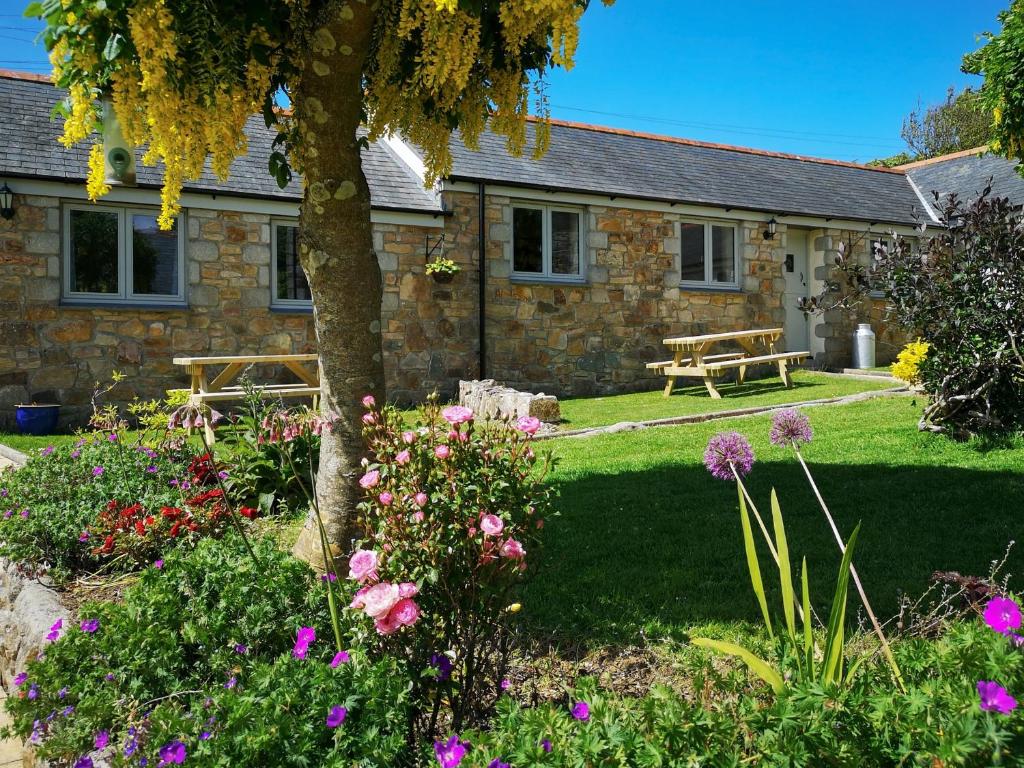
<point>863,346</point>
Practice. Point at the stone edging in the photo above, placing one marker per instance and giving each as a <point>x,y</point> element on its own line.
<point>28,608</point>
<point>697,418</point>
<point>17,458</point>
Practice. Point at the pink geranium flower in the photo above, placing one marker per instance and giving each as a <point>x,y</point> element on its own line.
<point>994,698</point>
<point>380,599</point>
<point>492,525</point>
<point>1002,615</point>
<point>370,479</point>
<point>528,424</point>
<point>303,638</point>
<point>362,566</point>
<point>457,414</point>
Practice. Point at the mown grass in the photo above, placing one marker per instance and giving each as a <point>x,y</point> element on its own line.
<point>648,542</point>
<point>691,398</point>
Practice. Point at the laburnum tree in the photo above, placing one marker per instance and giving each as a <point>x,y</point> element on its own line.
<point>183,76</point>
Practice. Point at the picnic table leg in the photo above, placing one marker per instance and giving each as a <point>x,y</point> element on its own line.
<point>710,384</point>
<point>742,376</point>
<point>204,386</point>
<point>784,374</point>
<point>677,358</point>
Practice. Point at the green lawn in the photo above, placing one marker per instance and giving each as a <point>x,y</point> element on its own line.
<point>690,398</point>
<point>648,541</point>
<point>30,444</point>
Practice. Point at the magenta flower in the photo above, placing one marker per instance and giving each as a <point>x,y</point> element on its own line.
<point>46,451</point>
<point>505,684</point>
<point>336,717</point>
<point>158,564</point>
<point>20,678</point>
<point>994,698</point>
<point>528,424</point>
<point>450,753</point>
<point>1002,615</point>
<point>496,763</point>
<point>173,753</point>
<point>370,479</point>
<point>328,578</point>
<point>205,736</point>
<point>101,740</point>
<point>790,426</point>
<point>726,451</point>
<point>303,638</point>
<point>55,630</point>
<point>83,536</point>
<point>546,745</point>
<point>112,437</point>
<point>442,451</point>
<point>90,625</point>
<point>84,762</point>
<point>581,711</point>
<point>241,649</point>
<point>341,657</point>
<point>97,471</point>
<point>457,414</point>
<point>420,499</point>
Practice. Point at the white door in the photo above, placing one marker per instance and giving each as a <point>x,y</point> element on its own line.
<point>797,287</point>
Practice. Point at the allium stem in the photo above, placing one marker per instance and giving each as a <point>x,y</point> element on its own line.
<point>853,572</point>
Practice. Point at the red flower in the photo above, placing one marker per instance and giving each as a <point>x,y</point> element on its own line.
<point>249,512</point>
<point>140,528</point>
<point>171,513</point>
<point>108,545</point>
<point>173,533</point>
<point>202,498</point>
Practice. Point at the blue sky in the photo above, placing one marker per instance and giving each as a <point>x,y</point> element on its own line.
<point>831,79</point>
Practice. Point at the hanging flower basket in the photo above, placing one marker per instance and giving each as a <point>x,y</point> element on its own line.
<point>442,270</point>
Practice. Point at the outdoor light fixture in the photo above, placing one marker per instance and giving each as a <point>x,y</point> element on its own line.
<point>769,234</point>
<point>6,202</point>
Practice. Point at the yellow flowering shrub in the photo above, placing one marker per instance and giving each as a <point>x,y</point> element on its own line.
<point>909,359</point>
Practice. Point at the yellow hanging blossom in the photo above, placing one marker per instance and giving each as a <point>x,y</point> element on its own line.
<point>95,185</point>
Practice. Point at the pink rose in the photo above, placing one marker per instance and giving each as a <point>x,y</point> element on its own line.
<point>463,437</point>
<point>409,437</point>
<point>512,549</point>
<point>457,414</point>
<point>528,424</point>
<point>357,599</point>
<point>369,401</point>
<point>386,625</point>
<point>370,479</point>
<point>453,434</point>
<point>420,499</point>
<point>417,517</point>
<point>492,525</point>
<point>362,565</point>
<point>379,599</point>
<point>405,612</point>
<point>402,458</point>
<point>442,451</point>
<point>386,498</point>
<point>408,589</point>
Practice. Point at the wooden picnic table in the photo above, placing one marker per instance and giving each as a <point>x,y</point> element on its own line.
<point>207,388</point>
<point>759,348</point>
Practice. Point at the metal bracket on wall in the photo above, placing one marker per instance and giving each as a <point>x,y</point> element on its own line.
<point>430,249</point>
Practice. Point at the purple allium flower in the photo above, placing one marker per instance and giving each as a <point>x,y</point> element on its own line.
<point>443,665</point>
<point>546,745</point>
<point>46,451</point>
<point>450,753</point>
<point>581,711</point>
<point>101,740</point>
<point>20,678</point>
<point>90,625</point>
<point>994,698</point>
<point>790,426</point>
<point>97,471</point>
<point>205,736</point>
<point>725,451</point>
<point>54,632</point>
<point>303,638</point>
<point>241,649</point>
<point>496,763</point>
<point>1002,615</point>
<point>174,752</point>
<point>158,564</point>
<point>341,657</point>
<point>231,683</point>
<point>83,762</point>
<point>336,717</point>
<point>33,691</point>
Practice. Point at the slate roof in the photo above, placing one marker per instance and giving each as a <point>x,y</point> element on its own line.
<point>967,174</point>
<point>29,149</point>
<point>606,161</point>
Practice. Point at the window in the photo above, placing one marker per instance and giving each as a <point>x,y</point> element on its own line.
<point>546,242</point>
<point>708,255</point>
<point>120,255</point>
<point>290,288</point>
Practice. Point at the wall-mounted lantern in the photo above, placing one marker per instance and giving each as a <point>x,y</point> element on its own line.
<point>769,233</point>
<point>6,202</point>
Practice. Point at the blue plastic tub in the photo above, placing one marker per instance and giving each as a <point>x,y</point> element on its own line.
<point>37,419</point>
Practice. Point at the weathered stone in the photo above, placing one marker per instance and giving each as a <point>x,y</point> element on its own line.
<point>493,401</point>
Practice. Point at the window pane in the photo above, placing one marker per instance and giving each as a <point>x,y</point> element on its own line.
<point>565,243</point>
<point>527,240</point>
<point>291,280</point>
<point>154,257</point>
<point>723,255</point>
<point>691,243</point>
<point>93,257</point>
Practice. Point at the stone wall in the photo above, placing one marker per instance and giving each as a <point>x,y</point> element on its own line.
<point>55,352</point>
<point>597,337</point>
<point>28,608</point>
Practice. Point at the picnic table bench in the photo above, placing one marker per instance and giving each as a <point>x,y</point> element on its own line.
<point>759,348</point>
<point>207,388</point>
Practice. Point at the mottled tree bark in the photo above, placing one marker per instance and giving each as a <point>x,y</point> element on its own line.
<point>336,250</point>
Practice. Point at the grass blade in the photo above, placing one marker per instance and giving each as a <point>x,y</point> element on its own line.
<point>752,562</point>
<point>785,571</point>
<point>808,629</point>
<point>837,616</point>
<point>758,666</point>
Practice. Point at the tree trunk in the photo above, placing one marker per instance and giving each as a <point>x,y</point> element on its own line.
<point>336,251</point>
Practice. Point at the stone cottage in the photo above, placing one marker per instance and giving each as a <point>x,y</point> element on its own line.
<point>590,257</point>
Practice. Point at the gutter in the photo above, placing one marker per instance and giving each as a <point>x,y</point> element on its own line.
<point>482,287</point>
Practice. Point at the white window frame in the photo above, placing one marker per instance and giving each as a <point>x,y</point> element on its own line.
<point>125,276</point>
<point>707,283</point>
<point>546,275</point>
<point>275,301</point>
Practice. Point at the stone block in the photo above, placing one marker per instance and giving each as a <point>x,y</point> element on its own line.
<point>203,250</point>
<point>42,289</point>
<point>256,254</point>
<point>491,400</point>
<point>204,296</point>
<point>42,242</point>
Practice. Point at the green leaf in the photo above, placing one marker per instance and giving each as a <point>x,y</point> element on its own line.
<point>752,563</point>
<point>832,672</point>
<point>808,630</point>
<point>33,10</point>
<point>113,47</point>
<point>785,572</point>
<point>758,666</point>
